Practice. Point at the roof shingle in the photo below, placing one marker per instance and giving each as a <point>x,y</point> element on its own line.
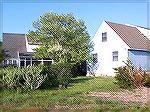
<point>131,36</point>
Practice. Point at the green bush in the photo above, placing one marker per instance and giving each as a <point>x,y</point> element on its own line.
<point>147,81</point>
<point>59,74</point>
<point>122,78</point>
<point>51,79</point>
<point>63,73</point>
<point>10,77</point>
<point>32,77</point>
<point>29,78</point>
<point>128,77</point>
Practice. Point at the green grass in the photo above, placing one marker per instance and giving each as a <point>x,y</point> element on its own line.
<point>72,96</point>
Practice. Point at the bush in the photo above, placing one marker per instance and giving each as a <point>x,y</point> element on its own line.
<point>51,79</point>
<point>10,77</point>
<point>128,77</point>
<point>147,81</point>
<point>32,77</point>
<point>63,73</point>
<point>122,78</point>
<point>29,78</point>
<point>59,74</point>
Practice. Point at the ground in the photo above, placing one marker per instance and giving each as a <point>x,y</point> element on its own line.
<point>137,95</point>
<point>86,94</point>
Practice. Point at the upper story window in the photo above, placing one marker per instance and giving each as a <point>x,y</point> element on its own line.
<point>95,58</point>
<point>104,37</point>
<point>115,56</point>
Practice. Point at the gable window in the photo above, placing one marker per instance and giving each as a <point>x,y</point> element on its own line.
<point>115,56</point>
<point>95,58</point>
<point>104,37</point>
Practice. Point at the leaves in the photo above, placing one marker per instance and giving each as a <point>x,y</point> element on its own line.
<point>62,38</point>
<point>29,78</point>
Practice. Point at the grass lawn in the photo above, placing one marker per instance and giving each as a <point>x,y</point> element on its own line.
<point>72,97</point>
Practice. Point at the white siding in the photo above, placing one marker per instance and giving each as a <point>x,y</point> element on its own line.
<point>105,49</point>
<point>30,47</point>
<point>145,32</point>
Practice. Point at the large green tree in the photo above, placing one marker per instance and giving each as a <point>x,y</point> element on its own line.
<point>61,37</point>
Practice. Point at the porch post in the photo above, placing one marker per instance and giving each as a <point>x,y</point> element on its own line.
<point>25,62</point>
<point>42,62</point>
<point>31,61</point>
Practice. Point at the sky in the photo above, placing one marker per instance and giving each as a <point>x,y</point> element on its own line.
<point>17,17</point>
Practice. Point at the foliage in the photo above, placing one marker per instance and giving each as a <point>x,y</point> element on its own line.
<point>51,79</point>
<point>147,81</point>
<point>10,77</point>
<point>29,78</point>
<point>79,69</point>
<point>71,97</point>
<point>32,77</point>
<point>63,73</point>
<point>128,77</point>
<point>122,78</point>
<point>61,38</point>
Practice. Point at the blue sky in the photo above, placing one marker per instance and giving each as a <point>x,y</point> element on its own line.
<point>17,17</point>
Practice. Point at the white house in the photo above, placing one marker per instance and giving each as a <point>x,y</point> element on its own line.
<point>18,50</point>
<point>115,43</point>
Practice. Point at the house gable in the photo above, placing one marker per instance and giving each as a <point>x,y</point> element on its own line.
<point>105,50</point>
<point>131,36</point>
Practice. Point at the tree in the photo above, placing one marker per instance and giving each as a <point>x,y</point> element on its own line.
<point>61,38</point>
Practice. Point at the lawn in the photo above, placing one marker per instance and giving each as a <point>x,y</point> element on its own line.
<point>74,98</point>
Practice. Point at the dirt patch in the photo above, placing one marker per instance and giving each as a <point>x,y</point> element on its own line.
<point>137,95</point>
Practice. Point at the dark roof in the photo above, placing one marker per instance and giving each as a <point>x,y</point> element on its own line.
<point>131,36</point>
<point>13,43</point>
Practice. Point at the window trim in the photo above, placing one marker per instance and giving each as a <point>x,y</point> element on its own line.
<point>14,62</point>
<point>95,57</point>
<point>115,56</point>
<point>10,61</point>
<point>104,37</point>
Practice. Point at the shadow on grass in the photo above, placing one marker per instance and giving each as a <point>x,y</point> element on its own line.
<point>81,79</point>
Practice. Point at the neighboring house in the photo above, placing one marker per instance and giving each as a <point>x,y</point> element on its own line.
<point>115,43</point>
<point>18,50</point>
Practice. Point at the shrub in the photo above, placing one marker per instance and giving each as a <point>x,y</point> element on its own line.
<point>51,79</point>
<point>128,77</point>
<point>147,81</point>
<point>29,78</point>
<point>122,78</point>
<point>58,74</point>
<point>10,77</point>
<point>63,73</point>
<point>32,77</point>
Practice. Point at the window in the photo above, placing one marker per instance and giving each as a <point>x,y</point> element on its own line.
<point>104,37</point>
<point>95,58</point>
<point>115,55</point>
<point>5,62</point>
<point>10,61</point>
<point>14,62</point>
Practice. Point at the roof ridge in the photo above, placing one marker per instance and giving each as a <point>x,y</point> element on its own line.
<point>14,33</point>
<point>132,36</point>
<point>130,25</point>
